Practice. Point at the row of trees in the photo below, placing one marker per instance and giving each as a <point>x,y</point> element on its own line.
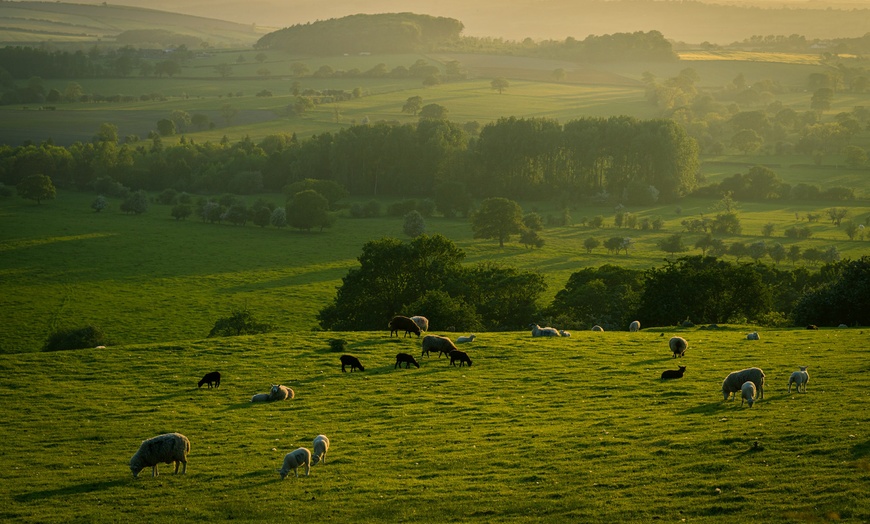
<point>426,276</point>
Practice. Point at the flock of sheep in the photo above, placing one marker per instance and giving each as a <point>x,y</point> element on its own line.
<point>174,447</point>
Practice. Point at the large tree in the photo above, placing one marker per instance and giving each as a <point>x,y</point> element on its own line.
<point>497,218</point>
<point>36,187</point>
<point>308,209</point>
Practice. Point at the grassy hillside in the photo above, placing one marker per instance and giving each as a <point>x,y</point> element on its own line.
<point>149,278</point>
<point>577,429</point>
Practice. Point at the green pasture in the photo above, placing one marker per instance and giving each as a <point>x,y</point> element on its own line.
<point>150,279</point>
<point>577,429</point>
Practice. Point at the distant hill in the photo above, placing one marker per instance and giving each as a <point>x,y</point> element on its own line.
<point>23,23</point>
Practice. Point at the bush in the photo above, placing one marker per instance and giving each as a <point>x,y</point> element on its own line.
<point>402,208</point>
<point>337,345</point>
<point>75,338</point>
<point>241,322</point>
<point>370,209</point>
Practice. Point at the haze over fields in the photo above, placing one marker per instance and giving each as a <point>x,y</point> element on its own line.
<point>717,22</point>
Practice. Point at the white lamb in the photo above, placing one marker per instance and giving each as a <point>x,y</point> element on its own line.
<point>538,331</point>
<point>747,392</point>
<point>735,380</point>
<point>261,397</point>
<point>422,322</point>
<point>564,333</point>
<point>464,339</point>
<point>799,379</point>
<point>634,326</point>
<point>295,459</point>
<point>752,336</point>
<point>321,446</point>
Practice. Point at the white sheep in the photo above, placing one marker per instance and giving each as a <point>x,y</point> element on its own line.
<point>422,322</point>
<point>596,327</point>
<point>634,326</point>
<point>261,397</point>
<point>321,446</point>
<point>735,380</point>
<point>564,333</point>
<point>295,459</point>
<point>799,379</point>
<point>678,346</point>
<point>279,392</point>
<point>464,339</point>
<point>538,331</point>
<point>752,336</point>
<point>747,392</point>
<point>168,448</point>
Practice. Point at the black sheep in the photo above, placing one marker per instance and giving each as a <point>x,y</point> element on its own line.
<point>399,323</point>
<point>674,373</point>
<point>352,361</point>
<point>211,378</point>
<point>407,359</point>
<point>461,356</point>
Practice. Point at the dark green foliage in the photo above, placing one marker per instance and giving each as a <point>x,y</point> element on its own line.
<point>531,239</point>
<point>842,298</point>
<point>370,209</point>
<point>332,191</point>
<point>414,224</point>
<point>497,219</point>
<point>236,214</point>
<point>445,311</point>
<point>337,345</point>
<point>136,203</point>
<point>673,244</point>
<point>36,187</point>
<point>607,295</point>
<point>99,203</point>
<point>240,322</point>
<point>167,197</point>
<point>505,297</point>
<point>402,207</point>
<point>75,338</point>
<point>181,211</point>
<point>452,198</point>
<point>309,209</point>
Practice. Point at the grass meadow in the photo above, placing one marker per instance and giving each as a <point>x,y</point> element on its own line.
<point>577,429</point>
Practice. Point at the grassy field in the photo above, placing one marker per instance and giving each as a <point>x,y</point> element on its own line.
<point>576,429</point>
<point>149,278</point>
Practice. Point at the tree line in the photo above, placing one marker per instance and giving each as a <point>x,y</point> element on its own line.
<point>426,277</point>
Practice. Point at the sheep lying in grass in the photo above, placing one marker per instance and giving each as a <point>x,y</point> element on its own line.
<point>564,333</point>
<point>752,336</point>
<point>261,397</point>
<point>442,345</point>
<point>400,323</point>
<point>295,459</point>
<point>460,356</point>
<point>352,361</point>
<point>407,359</point>
<point>538,331</point>
<point>634,326</point>
<point>678,346</point>
<point>735,380</point>
<point>812,326</point>
<point>596,327</point>
<point>168,448</point>
<point>464,339</point>
<point>321,446</point>
<point>211,378</point>
<point>673,373</point>
<point>799,379</point>
<point>747,393</point>
<point>422,322</point>
<point>279,392</point>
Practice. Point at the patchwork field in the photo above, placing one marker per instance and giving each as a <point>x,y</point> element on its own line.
<point>577,429</point>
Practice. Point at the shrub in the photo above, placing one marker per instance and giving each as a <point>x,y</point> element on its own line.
<point>75,338</point>
<point>337,345</point>
<point>99,203</point>
<point>240,322</point>
<point>402,208</point>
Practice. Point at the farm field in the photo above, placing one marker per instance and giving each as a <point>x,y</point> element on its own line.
<point>149,278</point>
<point>576,429</point>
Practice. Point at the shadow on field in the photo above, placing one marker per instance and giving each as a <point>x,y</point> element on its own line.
<point>89,487</point>
<point>711,408</point>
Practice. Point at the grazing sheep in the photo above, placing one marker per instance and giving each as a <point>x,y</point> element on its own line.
<point>678,346</point>
<point>168,448</point>
<point>564,333</point>
<point>841,326</point>
<point>279,392</point>
<point>752,336</point>
<point>352,361</point>
<point>211,378</point>
<point>538,331</point>
<point>596,327</point>
<point>734,381</point>
<point>261,397</point>
<point>673,373</point>
<point>422,322</point>
<point>407,359</point>
<point>747,393</point>
<point>464,339</point>
<point>442,345</point>
<point>321,446</point>
<point>399,323</point>
<point>461,356</point>
<point>294,459</point>
<point>812,326</point>
<point>799,379</point>
<point>634,326</point>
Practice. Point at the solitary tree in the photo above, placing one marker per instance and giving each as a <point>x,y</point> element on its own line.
<point>309,209</point>
<point>413,105</point>
<point>673,244</point>
<point>591,243</point>
<point>498,218</point>
<point>36,187</point>
<point>500,84</point>
<point>414,225</point>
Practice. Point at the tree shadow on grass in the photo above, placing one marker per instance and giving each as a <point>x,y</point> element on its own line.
<point>88,487</point>
<point>710,408</point>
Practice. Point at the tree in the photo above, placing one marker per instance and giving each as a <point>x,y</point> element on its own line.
<point>309,209</point>
<point>591,243</point>
<point>746,141</point>
<point>240,322</point>
<point>414,225</point>
<point>672,244</point>
<point>36,187</point>
<point>855,156</point>
<point>279,217</point>
<point>432,80</point>
<point>99,203</point>
<point>108,133</point>
<point>181,211</point>
<point>165,127</point>
<point>777,253</point>
<point>451,198</point>
<point>533,221</point>
<point>499,84</point>
<point>299,69</point>
<point>168,68</point>
<point>822,98</point>
<point>223,69</point>
<point>433,112</point>
<point>498,218</point>
<point>837,214</point>
<point>135,203</point>
<point>851,229</point>
<point>413,105</point>
<point>757,250</point>
<point>531,239</point>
